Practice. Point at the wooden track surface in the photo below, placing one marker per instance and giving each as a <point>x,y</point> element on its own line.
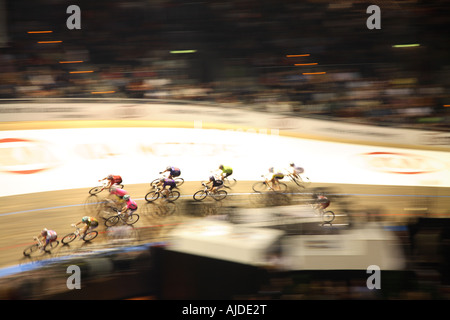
<point>23,216</point>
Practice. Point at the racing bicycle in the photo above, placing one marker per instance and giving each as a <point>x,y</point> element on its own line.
<point>229,182</point>
<point>178,181</point>
<point>113,220</point>
<point>90,235</point>
<point>298,180</point>
<point>264,186</point>
<point>104,186</point>
<point>157,192</point>
<point>327,216</point>
<point>203,193</point>
<point>35,248</point>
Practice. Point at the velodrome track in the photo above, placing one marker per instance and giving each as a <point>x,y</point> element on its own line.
<point>22,216</point>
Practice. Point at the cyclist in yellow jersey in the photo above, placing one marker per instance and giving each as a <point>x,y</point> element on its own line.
<point>90,223</point>
<point>273,177</point>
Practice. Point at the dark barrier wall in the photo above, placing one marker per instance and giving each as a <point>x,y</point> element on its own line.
<point>184,276</point>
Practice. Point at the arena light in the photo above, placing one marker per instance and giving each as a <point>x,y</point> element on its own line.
<point>55,41</point>
<point>297,55</point>
<point>102,92</point>
<point>306,64</point>
<point>78,61</point>
<point>39,32</point>
<point>411,45</point>
<point>312,73</point>
<point>182,51</point>
<point>87,71</point>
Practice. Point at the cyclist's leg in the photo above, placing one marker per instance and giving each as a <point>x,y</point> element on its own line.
<point>83,231</point>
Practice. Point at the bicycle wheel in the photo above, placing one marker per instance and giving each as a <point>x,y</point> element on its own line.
<point>219,195</point>
<point>95,190</point>
<point>179,181</point>
<point>112,221</point>
<point>31,249</point>
<point>282,187</point>
<point>132,219</point>
<point>90,235</point>
<point>200,195</point>
<point>165,209</point>
<point>154,182</point>
<point>92,204</point>
<point>69,238</point>
<point>152,196</point>
<point>328,216</point>
<point>260,187</point>
<point>229,182</point>
<point>298,182</point>
<point>52,245</point>
<point>173,195</point>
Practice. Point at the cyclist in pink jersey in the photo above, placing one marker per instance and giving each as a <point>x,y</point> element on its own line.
<point>129,207</point>
<point>116,195</point>
<point>118,192</point>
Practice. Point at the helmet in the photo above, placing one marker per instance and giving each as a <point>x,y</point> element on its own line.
<point>221,167</point>
<point>126,197</point>
<point>292,164</point>
<point>85,219</point>
<point>44,232</point>
<point>211,178</point>
<point>110,176</point>
<point>161,179</point>
<point>271,169</point>
<point>168,168</point>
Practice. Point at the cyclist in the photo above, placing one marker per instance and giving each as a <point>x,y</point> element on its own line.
<point>215,184</point>
<point>321,201</point>
<point>166,182</point>
<point>295,171</point>
<point>117,195</point>
<point>173,172</point>
<point>47,235</point>
<point>90,223</point>
<point>226,171</point>
<point>112,180</point>
<point>129,207</point>
<point>274,177</point>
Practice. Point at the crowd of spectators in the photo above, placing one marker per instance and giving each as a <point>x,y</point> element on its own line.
<point>242,53</point>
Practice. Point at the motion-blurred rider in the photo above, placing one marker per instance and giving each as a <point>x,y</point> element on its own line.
<point>47,235</point>
<point>129,208</point>
<point>89,223</point>
<point>226,171</point>
<point>112,180</point>
<point>215,184</point>
<point>295,171</point>
<point>163,183</point>
<point>173,172</point>
<point>273,177</point>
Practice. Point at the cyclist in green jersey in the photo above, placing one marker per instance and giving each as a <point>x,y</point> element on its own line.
<point>226,171</point>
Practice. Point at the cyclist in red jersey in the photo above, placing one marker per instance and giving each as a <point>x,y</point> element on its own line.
<point>321,201</point>
<point>112,180</point>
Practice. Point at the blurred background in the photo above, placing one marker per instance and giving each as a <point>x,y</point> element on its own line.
<point>247,53</point>
<point>313,59</point>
